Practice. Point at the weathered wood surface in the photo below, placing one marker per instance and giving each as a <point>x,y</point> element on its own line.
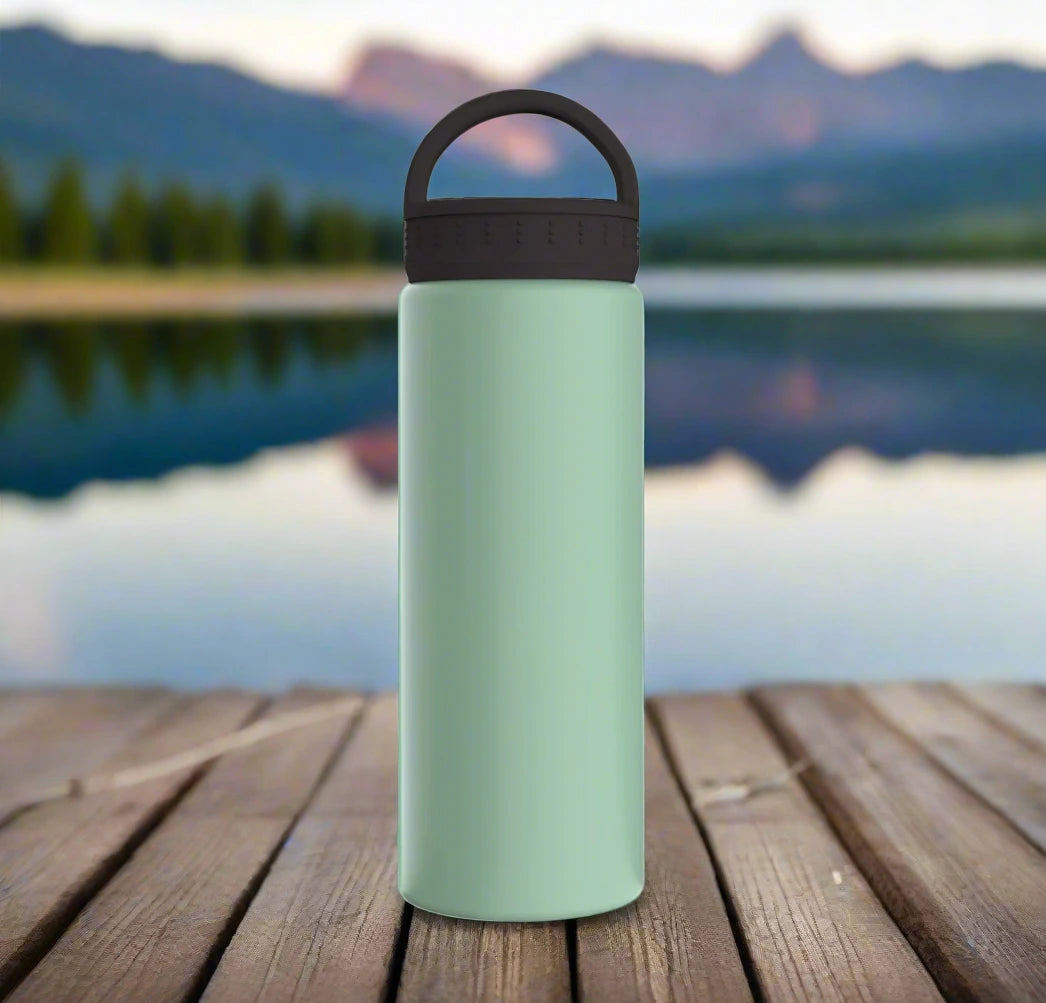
<point>54,856</point>
<point>813,926</point>
<point>905,863</point>
<point>451,959</point>
<point>150,932</point>
<point>1022,709</point>
<point>1006,772</point>
<point>67,732</point>
<point>324,923</point>
<point>675,941</point>
<point>966,888</point>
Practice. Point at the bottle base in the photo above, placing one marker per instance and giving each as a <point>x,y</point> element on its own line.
<point>509,915</point>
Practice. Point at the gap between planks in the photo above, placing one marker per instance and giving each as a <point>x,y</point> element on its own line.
<point>308,951</point>
<point>327,921</point>
<point>1006,772</point>
<point>966,889</point>
<point>213,846</point>
<point>811,925</point>
<point>55,857</point>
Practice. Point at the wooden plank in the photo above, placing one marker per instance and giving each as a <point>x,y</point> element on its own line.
<point>814,928</point>
<point>150,932</point>
<point>1021,708</point>
<point>324,924</point>
<point>1007,772</point>
<point>675,942</point>
<point>966,889</point>
<point>70,732</point>
<point>16,705</point>
<point>467,961</point>
<point>53,856</point>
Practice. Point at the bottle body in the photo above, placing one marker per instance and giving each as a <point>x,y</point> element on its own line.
<point>521,597</point>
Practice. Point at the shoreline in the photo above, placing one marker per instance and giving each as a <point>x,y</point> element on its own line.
<point>31,294</point>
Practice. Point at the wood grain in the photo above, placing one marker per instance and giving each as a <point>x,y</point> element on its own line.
<point>70,732</point>
<point>966,889</point>
<point>150,932</point>
<point>465,961</point>
<point>814,928</point>
<point>275,868</point>
<point>16,705</point>
<point>1007,772</point>
<point>1021,708</point>
<point>324,924</point>
<point>54,856</point>
<point>675,941</point>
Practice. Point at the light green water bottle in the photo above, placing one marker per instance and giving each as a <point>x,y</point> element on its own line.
<point>521,541</point>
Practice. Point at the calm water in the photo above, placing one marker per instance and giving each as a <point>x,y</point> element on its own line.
<point>829,495</point>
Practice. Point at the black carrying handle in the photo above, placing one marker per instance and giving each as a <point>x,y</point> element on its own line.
<point>517,102</point>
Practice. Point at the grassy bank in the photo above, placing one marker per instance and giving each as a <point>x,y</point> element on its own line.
<point>56,292</point>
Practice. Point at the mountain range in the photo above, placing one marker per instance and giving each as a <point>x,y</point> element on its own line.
<point>218,129</point>
<point>678,115</point>
<point>785,135</point>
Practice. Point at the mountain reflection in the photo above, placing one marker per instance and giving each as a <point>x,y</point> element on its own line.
<point>127,400</point>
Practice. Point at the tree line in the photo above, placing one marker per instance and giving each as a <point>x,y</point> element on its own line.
<point>180,353</point>
<point>174,227</point>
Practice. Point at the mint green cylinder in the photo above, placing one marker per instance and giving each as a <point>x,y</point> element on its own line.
<point>521,597</point>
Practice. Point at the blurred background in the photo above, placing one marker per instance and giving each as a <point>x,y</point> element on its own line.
<point>844,247</point>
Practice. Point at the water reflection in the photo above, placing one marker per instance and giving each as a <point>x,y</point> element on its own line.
<point>128,401</point>
<point>131,400</point>
<point>777,547</point>
<point>183,352</point>
<point>282,569</point>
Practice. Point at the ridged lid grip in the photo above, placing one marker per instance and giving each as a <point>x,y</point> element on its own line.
<point>463,238</point>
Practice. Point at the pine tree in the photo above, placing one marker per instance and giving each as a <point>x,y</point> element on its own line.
<point>356,238</point>
<point>68,229</point>
<point>174,227</point>
<point>11,244</point>
<point>335,234</point>
<point>129,223</point>
<point>268,229</point>
<point>220,239</point>
<point>318,241</point>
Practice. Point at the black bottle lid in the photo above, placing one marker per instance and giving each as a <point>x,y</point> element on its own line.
<point>521,238</point>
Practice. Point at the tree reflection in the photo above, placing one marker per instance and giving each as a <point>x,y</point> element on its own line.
<point>132,349</point>
<point>71,350</point>
<point>337,338</point>
<point>183,353</point>
<point>785,390</point>
<point>223,345</point>
<point>269,342</point>
<point>12,366</point>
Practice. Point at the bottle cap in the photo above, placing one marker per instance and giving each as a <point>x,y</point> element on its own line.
<point>521,238</point>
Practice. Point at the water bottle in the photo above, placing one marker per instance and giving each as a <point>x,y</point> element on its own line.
<point>521,540</point>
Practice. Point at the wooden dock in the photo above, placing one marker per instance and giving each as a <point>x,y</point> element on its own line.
<point>903,859</point>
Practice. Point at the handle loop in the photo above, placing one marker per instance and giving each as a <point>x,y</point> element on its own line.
<point>516,102</point>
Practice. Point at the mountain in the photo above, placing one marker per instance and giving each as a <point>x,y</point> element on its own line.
<point>994,182</point>
<point>216,128</point>
<point>683,115</point>
<point>421,90</point>
<point>676,114</point>
<point>785,138</point>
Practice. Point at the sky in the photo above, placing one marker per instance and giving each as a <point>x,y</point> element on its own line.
<point>313,42</point>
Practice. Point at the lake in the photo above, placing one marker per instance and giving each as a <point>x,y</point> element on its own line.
<point>831,494</point>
